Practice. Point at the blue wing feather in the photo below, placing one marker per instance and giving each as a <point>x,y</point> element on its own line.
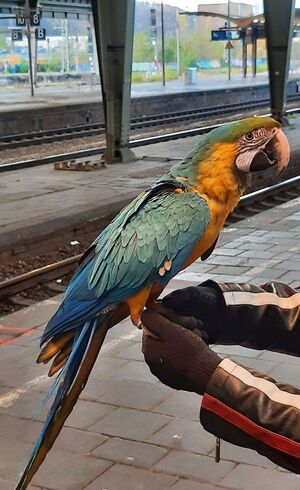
<point>128,253</point>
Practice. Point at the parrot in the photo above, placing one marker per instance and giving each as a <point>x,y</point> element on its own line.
<point>174,222</point>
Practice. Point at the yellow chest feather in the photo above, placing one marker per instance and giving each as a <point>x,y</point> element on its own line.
<point>221,187</point>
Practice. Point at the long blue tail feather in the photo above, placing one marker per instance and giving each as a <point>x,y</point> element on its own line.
<point>69,385</point>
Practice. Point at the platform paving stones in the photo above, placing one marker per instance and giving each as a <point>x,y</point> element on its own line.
<point>180,404</point>
<point>87,413</point>
<point>66,470</point>
<point>131,424</point>
<point>129,478</point>
<point>264,478</point>
<point>184,435</point>
<point>129,452</point>
<point>190,465</point>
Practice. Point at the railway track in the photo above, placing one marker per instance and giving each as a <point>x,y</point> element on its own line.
<point>249,205</point>
<point>134,143</point>
<point>49,136</point>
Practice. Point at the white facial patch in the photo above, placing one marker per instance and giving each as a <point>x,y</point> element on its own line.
<point>243,160</point>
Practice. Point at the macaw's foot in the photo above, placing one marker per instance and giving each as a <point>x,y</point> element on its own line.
<point>138,323</point>
<point>136,320</point>
<point>136,304</point>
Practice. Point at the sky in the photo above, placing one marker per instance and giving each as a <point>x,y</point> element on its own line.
<point>193,4</point>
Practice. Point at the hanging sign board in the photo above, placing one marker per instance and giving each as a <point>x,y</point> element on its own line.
<point>225,35</point>
<point>40,34</point>
<point>16,35</point>
<point>35,19</point>
<point>20,21</point>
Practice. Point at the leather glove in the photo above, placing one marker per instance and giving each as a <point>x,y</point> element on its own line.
<point>204,302</point>
<point>176,356</point>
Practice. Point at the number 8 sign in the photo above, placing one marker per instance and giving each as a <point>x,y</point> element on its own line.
<point>35,19</point>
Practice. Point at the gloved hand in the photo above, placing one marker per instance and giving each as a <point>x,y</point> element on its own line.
<point>204,302</point>
<point>176,356</point>
<point>189,322</point>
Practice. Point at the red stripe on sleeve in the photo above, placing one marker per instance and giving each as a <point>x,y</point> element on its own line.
<point>281,443</point>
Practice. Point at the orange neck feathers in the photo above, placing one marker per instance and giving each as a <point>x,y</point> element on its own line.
<point>220,182</point>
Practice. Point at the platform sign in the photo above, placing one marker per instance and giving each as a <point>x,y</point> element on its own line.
<point>225,35</point>
<point>228,45</point>
<point>35,19</point>
<point>16,35</point>
<point>20,21</point>
<point>40,34</point>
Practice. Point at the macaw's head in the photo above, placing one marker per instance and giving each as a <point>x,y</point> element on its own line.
<point>256,143</point>
<point>236,149</point>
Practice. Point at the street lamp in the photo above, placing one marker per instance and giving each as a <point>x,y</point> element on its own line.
<point>228,36</point>
<point>163,43</point>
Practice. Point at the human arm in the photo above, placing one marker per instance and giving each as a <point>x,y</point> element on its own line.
<point>239,405</point>
<point>265,317</point>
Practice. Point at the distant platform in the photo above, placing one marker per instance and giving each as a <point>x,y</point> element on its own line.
<point>14,98</point>
<point>69,104</point>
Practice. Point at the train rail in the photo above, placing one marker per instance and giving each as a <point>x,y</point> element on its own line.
<point>143,122</point>
<point>134,143</point>
<point>249,205</point>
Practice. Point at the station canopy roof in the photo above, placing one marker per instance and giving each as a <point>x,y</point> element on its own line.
<point>71,9</point>
<point>241,22</point>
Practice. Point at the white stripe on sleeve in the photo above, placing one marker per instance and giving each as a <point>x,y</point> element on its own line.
<point>260,299</point>
<point>267,387</point>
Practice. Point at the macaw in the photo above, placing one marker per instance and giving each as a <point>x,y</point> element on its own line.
<point>161,232</point>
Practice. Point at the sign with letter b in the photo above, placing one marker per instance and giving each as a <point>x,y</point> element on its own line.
<point>40,33</point>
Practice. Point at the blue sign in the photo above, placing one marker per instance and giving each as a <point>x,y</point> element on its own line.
<point>225,35</point>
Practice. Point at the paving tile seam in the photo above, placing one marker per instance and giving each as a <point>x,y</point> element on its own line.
<point>201,480</point>
<point>100,474</point>
<point>226,458</point>
<point>159,402</point>
<point>87,429</point>
<point>157,471</point>
<point>192,480</point>
<point>235,465</point>
<point>160,445</point>
<point>146,410</point>
<point>131,463</point>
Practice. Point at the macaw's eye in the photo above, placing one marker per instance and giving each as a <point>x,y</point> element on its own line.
<point>249,136</point>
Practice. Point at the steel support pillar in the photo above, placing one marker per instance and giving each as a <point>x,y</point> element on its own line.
<point>114,29</point>
<point>254,52</point>
<point>244,54</point>
<point>279,16</point>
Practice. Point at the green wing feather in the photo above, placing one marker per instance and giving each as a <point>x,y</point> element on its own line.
<point>152,229</point>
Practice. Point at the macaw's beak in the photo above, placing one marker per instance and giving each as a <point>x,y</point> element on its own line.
<point>276,152</point>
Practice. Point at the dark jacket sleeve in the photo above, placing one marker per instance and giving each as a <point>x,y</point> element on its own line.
<point>241,405</point>
<point>248,409</point>
<point>265,317</point>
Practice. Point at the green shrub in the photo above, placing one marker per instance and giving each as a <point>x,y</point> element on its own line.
<point>138,77</point>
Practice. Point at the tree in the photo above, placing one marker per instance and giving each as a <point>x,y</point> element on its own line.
<point>170,50</point>
<point>142,47</point>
